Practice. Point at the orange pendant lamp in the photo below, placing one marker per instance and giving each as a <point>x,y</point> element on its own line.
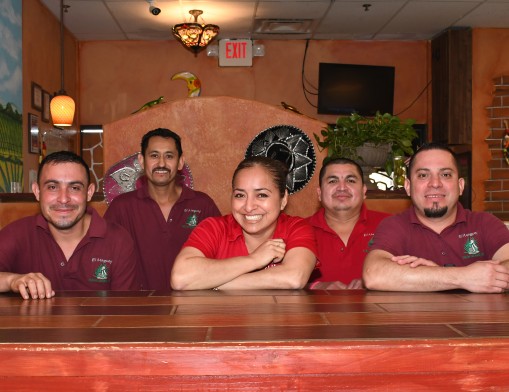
<point>62,106</point>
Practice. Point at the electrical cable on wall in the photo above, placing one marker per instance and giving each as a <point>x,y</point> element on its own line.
<point>415,100</point>
<point>304,80</point>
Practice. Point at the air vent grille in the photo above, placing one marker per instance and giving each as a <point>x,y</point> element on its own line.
<point>283,26</point>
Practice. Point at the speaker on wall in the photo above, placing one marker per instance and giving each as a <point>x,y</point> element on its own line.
<point>422,136</point>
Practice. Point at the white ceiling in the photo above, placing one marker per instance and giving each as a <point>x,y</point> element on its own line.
<point>281,19</point>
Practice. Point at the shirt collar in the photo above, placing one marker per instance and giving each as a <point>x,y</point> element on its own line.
<point>319,221</point>
<point>142,190</point>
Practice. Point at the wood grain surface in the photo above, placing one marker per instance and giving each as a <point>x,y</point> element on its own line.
<point>255,340</point>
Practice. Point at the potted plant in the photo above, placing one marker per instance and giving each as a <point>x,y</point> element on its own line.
<point>365,140</point>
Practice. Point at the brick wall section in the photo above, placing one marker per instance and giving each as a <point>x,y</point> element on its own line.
<point>497,186</point>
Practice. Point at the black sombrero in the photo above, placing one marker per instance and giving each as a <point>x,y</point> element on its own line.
<point>291,146</point>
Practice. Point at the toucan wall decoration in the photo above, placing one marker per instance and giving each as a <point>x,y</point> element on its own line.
<point>192,81</point>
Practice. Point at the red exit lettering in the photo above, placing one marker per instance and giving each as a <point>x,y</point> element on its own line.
<point>236,50</point>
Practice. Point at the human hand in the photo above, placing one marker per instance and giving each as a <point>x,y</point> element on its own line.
<point>270,252</point>
<point>413,261</point>
<point>33,284</point>
<point>483,277</point>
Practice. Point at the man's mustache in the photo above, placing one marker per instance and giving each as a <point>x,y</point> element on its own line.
<point>342,193</point>
<point>160,169</point>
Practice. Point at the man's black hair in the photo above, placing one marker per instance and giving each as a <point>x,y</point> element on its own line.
<point>63,157</point>
<point>162,132</point>
<point>339,161</point>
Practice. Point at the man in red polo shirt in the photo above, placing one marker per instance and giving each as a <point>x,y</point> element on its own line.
<point>343,226</point>
<point>67,246</point>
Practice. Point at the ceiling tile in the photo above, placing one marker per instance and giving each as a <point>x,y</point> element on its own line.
<point>331,19</point>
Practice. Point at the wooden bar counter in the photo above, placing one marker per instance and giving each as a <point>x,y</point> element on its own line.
<point>255,340</point>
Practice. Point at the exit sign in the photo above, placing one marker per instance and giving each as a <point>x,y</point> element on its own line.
<point>235,53</point>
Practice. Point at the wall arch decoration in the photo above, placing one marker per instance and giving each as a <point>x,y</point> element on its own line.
<point>215,132</point>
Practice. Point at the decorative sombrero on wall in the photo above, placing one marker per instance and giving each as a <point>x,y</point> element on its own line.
<point>291,146</point>
<point>125,176</point>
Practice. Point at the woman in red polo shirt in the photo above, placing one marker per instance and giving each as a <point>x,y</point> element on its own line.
<point>236,251</point>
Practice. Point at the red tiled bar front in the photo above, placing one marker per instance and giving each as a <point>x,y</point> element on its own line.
<point>256,340</point>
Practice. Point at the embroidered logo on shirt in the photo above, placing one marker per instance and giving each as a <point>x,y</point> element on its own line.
<point>101,273</point>
<point>370,243</point>
<point>191,221</point>
<point>471,248</point>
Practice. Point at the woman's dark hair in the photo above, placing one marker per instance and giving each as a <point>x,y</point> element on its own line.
<point>164,133</point>
<point>277,169</point>
<point>63,157</point>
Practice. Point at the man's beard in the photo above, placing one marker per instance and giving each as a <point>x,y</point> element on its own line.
<point>435,211</point>
<point>65,223</point>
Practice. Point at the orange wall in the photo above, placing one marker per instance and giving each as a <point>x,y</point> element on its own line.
<point>41,64</point>
<point>124,75</point>
<point>118,77</point>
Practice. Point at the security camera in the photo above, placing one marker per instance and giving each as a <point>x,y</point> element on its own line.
<point>154,10</point>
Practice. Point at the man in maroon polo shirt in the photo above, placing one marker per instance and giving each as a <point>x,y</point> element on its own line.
<point>343,226</point>
<point>161,213</point>
<point>67,246</point>
<point>408,249</point>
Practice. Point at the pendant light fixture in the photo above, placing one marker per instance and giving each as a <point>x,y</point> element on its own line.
<point>62,106</point>
<point>193,35</point>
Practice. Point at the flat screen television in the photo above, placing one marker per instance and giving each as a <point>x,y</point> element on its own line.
<point>348,88</point>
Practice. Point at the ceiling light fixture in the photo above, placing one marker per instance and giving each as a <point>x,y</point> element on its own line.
<point>62,106</point>
<point>193,35</point>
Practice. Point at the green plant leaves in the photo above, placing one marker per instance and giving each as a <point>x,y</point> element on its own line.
<point>353,131</point>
